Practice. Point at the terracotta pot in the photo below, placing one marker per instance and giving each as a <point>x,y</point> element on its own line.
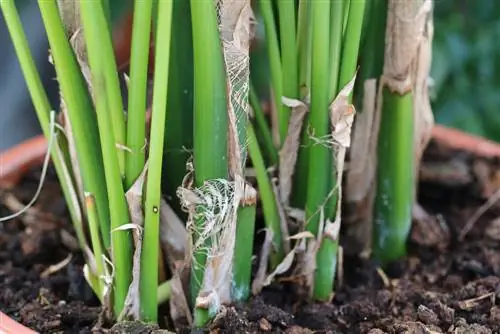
<point>459,140</point>
<point>20,159</point>
<point>10,326</point>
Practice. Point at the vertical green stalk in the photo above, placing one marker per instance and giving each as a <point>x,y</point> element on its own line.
<point>326,258</point>
<point>289,53</point>
<point>351,42</point>
<point>93,19</point>
<point>41,104</point>
<point>263,128</point>
<point>266,10</point>
<point>395,177</point>
<point>179,122</point>
<point>320,161</point>
<point>210,120</point>
<point>374,41</point>
<point>93,220</point>
<point>80,112</point>
<point>299,185</point>
<point>270,206</point>
<point>150,249</point>
<point>242,258</point>
<point>136,121</point>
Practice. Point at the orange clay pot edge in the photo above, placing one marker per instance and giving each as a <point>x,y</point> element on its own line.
<point>10,326</point>
<point>17,161</point>
<point>456,139</point>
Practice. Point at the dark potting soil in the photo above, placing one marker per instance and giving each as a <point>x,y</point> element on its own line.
<point>445,285</point>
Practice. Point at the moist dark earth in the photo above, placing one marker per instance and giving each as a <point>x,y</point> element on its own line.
<point>446,285</point>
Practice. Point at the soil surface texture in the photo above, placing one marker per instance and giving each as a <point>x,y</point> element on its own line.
<point>450,282</point>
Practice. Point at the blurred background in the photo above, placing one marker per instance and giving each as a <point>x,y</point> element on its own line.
<point>465,71</point>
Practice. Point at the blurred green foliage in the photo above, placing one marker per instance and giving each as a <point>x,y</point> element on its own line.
<point>466,66</point>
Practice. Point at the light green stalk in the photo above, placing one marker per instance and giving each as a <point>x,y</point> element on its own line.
<point>150,249</point>
<point>93,19</point>
<point>320,161</point>
<point>289,54</point>
<point>42,108</point>
<point>395,177</point>
<point>136,122</point>
<point>326,258</point>
<point>299,185</point>
<point>270,206</point>
<point>242,258</point>
<point>81,114</point>
<point>210,121</point>
<point>266,10</point>
<point>263,128</point>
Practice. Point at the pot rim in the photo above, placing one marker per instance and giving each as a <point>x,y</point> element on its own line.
<point>11,326</point>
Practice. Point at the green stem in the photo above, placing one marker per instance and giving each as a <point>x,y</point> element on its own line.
<point>93,220</point>
<point>266,9</point>
<point>242,258</point>
<point>81,114</point>
<point>136,122</point>
<point>42,108</point>
<point>164,292</point>
<point>289,52</point>
<point>304,47</point>
<point>210,121</point>
<point>150,249</point>
<point>395,177</point>
<point>270,206</point>
<point>351,42</point>
<point>262,126</point>
<point>320,161</point>
<point>93,19</point>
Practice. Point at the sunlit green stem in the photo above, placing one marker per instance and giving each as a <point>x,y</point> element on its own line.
<point>93,18</point>
<point>93,220</point>
<point>80,112</point>
<point>150,249</point>
<point>136,122</point>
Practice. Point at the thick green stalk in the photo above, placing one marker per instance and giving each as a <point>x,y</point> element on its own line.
<point>136,120</point>
<point>179,123</point>
<point>304,31</point>
<point>110,72</point>
<point>93,220</point>
<point>242,258</point>
<point>395,177</point>
<point>374,40</point>
<point>336,24</point>
<point>320,161</point>
<point>266,10</point>
<point>326,258</point>
<point>269,205</point>
<point>351,42</point>
<point>289,54</point>
<point>93,18</point>
<point>150,249</point>
<point>80,112</point>
<point>210,121</point>
<point>263,128</point>
<point>299,185</point>
<point>42,108</point>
